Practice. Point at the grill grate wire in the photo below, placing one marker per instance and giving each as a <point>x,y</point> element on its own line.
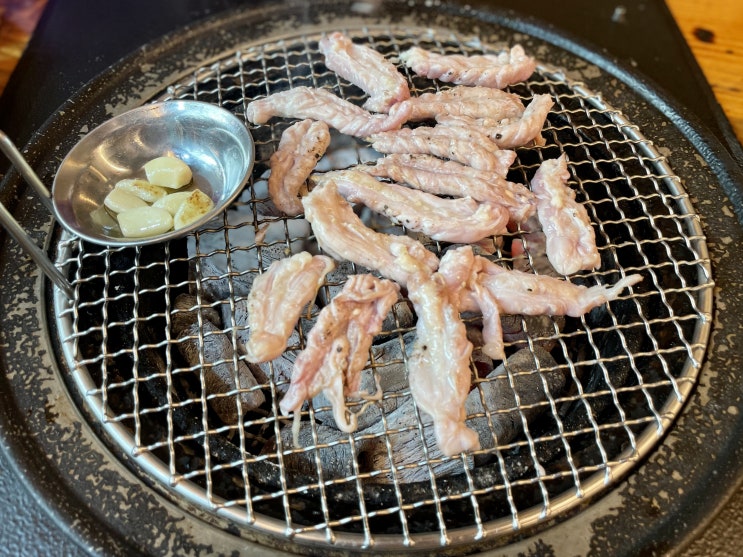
<point>629,367</point>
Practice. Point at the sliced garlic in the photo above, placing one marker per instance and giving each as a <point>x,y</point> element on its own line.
<point>119,200</point>
<point>142,189</point>
<point>196,206</point>
<point>172,202</point>
<point>168,172</point>
<point>144,221</point>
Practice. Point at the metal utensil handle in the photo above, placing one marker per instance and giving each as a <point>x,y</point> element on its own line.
<point>15,229</point>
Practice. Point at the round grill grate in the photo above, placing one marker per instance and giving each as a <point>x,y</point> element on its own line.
<point>629,365</point>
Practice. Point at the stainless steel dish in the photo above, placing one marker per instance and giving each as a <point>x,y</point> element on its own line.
<point>215,144</point>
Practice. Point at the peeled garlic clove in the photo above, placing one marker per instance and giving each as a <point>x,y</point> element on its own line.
<point>119,200</point>
<point>196,206</point>
<point>144,221</point>
<point>168,172</point>
<point>172,202</point>
<point>142,189</point>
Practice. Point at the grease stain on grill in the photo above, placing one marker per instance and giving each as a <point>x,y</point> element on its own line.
<point>49,415</point>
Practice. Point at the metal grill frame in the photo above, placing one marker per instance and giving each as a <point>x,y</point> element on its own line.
<point>614,469</point>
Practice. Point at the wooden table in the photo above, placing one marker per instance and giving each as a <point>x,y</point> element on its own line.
<point>713,29</point>
<point>17,21</point>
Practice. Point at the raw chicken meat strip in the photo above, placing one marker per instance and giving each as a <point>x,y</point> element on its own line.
<point>387,384</point>
<point>474,102</point>
<point>368,69</point>
<point>276,301</point>
<point>439,365</point>
<point>340,232</point>
<point>449,220</point>
<point>440,177</point>
<point>523,293</point>
<point>458,267</point>
<point>508,134</point>
<point>488,70</point>
<point>322,105</point>
<point>504,157</point>
<point>472,149</point>
<point>481,285</point>
<point>571,241</point>
<point>529,254</point>
<point>301,146</point>
<point>338,347</point>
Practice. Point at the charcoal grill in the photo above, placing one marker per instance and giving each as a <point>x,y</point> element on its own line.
<point>630,366</point>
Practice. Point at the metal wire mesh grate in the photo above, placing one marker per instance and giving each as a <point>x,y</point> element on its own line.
<point>627,367</point>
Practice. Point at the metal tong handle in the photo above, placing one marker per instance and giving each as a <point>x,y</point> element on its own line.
<point>15,229</point>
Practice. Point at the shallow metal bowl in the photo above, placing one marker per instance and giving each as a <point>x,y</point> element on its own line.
<point>215,144</point>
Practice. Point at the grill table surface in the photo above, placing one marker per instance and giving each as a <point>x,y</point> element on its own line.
<point>48,75</point>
